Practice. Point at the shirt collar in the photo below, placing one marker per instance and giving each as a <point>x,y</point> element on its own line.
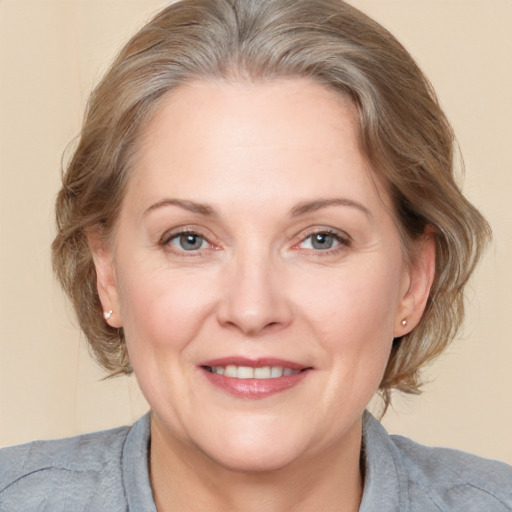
<point>385,487</point>
<point>137,487</point>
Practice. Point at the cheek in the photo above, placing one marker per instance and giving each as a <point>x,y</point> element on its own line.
<point>161,308</point>
<point>354,311</point>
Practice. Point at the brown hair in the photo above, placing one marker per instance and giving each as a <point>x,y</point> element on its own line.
<point>404,135</point>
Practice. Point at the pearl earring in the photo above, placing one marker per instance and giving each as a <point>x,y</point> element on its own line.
<point>404,322</point>
<point>107,314</point>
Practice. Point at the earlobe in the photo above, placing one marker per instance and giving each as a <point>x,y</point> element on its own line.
<point>420,278</point>
<point>105,277</point>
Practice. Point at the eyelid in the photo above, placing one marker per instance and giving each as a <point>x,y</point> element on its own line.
<point>344,239</point>
<point>175,232</point>
<point>176,242</point>
<point>172,234</point>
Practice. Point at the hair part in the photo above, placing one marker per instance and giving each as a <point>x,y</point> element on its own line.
<point>404,135</point>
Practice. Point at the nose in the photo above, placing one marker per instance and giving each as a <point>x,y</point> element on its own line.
<point>254,300</point>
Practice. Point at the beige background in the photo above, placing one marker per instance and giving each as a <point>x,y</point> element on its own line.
<point>52,52</point>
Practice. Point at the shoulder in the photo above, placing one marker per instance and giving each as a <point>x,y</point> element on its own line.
<point>70,473</point>
<point>403,475</point>
<point>452,479</point>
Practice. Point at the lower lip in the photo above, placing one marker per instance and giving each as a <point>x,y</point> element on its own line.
<point>254,389</point>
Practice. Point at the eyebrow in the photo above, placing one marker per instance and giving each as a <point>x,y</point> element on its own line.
<point>191,206</point>
<point>298,210</point>
<point>312,206</point>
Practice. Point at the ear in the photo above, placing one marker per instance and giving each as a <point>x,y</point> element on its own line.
<point>417,285</point>
<point>106,284</point>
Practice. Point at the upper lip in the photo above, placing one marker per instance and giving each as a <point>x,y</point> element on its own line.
<point>254,363</point>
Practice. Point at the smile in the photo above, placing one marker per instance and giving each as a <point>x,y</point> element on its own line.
<point>253,379</point>
<point>247,372</point>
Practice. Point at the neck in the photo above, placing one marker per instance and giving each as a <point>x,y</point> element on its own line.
<point>185,479</point>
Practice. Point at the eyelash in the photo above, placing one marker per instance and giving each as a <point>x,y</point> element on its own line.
<point>176,235</point>
<point>343,241</point>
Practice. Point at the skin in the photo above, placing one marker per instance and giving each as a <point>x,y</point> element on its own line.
<point>258,287</point>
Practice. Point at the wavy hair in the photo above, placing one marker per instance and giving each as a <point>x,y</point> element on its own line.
<point>404,134</point>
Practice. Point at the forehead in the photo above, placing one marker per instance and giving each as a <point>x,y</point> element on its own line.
<point>217,140</point>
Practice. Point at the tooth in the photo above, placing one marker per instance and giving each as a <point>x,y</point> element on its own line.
<point>231,371</point>
<point>245,372</point>
<point>276,371</point>
<point>262,373</point>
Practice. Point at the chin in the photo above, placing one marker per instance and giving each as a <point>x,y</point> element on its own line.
<point>255,449</point>
<point>252,459</point>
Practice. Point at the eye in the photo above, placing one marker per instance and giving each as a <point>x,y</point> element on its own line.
<point>188,242</point>
<point>323,241</point>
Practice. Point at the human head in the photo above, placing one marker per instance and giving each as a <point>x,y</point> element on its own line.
<point>403,134</point>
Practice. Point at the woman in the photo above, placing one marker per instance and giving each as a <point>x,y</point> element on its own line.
<point>260,221</point>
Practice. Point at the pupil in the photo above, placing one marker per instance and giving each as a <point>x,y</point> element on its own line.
<point>190,242</point>
<point>322,241</point>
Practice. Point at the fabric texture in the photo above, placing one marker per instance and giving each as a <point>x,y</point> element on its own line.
<point>108,472</point>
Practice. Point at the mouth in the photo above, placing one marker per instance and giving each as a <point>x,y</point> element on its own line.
<point>251,379</point>
<point>248,372</point>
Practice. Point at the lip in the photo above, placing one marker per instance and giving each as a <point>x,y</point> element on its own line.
<point>254,389</point>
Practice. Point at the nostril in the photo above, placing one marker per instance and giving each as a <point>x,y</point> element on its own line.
<point>253,308</point>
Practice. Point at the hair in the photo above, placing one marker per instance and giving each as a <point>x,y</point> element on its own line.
<point>404,135</point>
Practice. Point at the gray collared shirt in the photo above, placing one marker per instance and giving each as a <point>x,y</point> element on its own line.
<point>108,472</point>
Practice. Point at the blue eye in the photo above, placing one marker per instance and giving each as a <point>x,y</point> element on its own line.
<point>188,242</point>
<point>322,241</point>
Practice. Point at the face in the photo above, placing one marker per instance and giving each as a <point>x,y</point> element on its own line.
<point>257,273</point>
